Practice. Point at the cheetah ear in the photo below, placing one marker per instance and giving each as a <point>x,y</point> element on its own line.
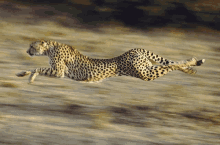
<point>43,42</point>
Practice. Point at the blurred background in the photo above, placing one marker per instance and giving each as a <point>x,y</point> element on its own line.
<point>142,14</point>
<point>175,109</point>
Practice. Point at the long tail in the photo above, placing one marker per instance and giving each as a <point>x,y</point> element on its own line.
<point>185,66</point>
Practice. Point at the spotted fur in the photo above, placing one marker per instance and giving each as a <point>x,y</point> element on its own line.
<point>67,61</point>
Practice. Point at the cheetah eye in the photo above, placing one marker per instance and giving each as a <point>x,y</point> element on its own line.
<point>42,42</point>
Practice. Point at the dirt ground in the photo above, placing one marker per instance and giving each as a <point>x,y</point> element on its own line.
<point>175,109</point>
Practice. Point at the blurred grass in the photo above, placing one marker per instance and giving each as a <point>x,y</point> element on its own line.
<point>100,119</point>
<point>8,85</point>
<point>199,15</point>
<point>175,109</point>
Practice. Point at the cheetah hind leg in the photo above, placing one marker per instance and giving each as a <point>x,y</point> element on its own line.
<point>23,73</point>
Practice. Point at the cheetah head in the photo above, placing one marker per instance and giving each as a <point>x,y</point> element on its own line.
<point>38,48</point>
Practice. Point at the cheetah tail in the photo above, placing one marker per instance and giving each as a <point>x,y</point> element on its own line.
<point>200,62</point>
<point>191,69</point>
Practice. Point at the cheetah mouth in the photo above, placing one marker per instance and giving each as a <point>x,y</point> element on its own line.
<point>30,54</point>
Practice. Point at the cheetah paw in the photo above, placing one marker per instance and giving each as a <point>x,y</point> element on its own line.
<point>188,70</point>
<point>191,71</point>
<point>23,73</point>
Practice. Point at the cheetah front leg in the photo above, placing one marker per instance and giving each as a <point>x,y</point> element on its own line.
<point>23,73</point>
<point>50,72</point>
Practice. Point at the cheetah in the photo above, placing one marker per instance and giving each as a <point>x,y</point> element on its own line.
<point>67,61</point>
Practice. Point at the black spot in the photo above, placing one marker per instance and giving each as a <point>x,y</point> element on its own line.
<point>51,72</point>
<point>46,72</point>
<point>167,62</point>
<point>153,57</point>
<point>151,75</point>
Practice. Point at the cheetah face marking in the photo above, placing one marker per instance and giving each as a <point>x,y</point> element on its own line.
<point>37,48</point>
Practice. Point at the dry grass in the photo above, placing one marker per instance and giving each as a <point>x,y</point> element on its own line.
<point>176,108</point>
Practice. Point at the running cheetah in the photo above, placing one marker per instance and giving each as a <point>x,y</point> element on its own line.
<point>66,61</point>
